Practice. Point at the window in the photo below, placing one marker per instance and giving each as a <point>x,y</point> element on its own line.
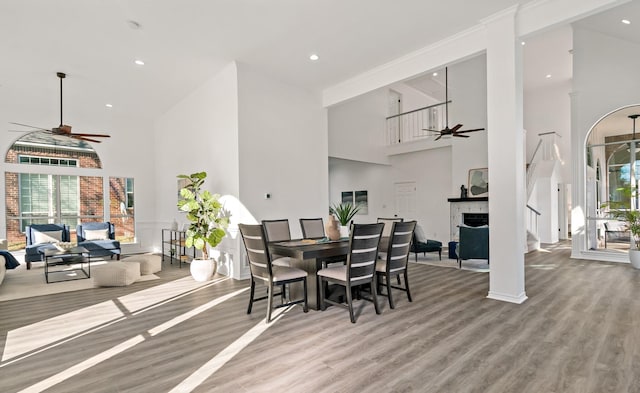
<point>122,209</point>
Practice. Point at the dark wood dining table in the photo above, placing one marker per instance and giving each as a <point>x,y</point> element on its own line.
<point>309,255</point>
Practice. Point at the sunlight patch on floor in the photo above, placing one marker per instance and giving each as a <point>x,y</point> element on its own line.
<point>63,328</point>
<point>125,345</point>
<point>208,369</point>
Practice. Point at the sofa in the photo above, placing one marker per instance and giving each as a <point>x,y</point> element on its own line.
<point>41,237</point>
<point>99,238</point>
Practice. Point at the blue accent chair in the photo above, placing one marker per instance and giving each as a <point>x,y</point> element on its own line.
<point>474,243</point>
<point>104,246</point>
<point>34,251</point>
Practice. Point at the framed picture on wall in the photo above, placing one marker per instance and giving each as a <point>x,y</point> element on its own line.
<point>347,197</point>
<point>479,182</point>
<point>360,198</point>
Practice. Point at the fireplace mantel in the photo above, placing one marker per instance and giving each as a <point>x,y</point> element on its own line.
<point>476,199</point>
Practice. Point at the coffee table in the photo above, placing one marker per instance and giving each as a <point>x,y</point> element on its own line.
<point>75,255</point>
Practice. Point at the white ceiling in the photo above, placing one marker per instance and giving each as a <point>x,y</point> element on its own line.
<point>186,42</point>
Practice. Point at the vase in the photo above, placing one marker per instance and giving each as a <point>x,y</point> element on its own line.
<point>331,228</point>
<point>203,269</point>
<point>344,231</point>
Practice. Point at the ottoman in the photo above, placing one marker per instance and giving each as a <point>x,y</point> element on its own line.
<point>116,274</point>
<point>149,263</point>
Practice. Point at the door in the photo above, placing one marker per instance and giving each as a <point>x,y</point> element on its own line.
<point>405,199</point>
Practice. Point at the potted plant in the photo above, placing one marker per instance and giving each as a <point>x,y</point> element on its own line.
<point>208,222</point>
<point>344,212</point>
<point>631,218</point>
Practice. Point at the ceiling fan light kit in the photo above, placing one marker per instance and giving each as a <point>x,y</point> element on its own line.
<point>446,131</point>
<point>64,129</point>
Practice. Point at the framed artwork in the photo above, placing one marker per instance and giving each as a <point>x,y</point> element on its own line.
<point>360,199</point>
<point>479,182</point>
<point>357,198</point>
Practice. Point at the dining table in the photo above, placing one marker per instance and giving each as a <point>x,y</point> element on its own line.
<point>308,255</point>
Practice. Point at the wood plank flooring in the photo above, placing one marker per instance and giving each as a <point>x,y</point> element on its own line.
<point>577,332</point>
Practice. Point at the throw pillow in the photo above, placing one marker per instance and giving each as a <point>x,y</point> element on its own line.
<point>420,236</point>
<point>96,234</point>
<point>47,237</point>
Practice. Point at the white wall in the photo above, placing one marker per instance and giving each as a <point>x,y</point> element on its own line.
<point>283,150</point>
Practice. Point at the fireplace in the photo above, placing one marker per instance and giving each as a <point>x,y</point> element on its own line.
<point>475,219</point>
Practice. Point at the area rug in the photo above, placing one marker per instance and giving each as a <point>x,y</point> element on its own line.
<point>474,265</point>
<point>22,283</point>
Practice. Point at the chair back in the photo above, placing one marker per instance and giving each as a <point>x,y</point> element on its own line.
<point>276,230</point>
<point>81,230</point>
<point>400,245</point>
<point>50,231</point>
<point>473,242</point>
<point>363,252</point>
<point>255,243</point>
<point>312,228</point>
<point>387,224</point>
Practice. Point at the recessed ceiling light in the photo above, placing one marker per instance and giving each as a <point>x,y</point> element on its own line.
<point>548,76</point>
<point>139,62</point>
<point>626,21</point>
<point>109,106</point>
<point>435,74</point>
<point>522,43</point>
<point>313,57</point>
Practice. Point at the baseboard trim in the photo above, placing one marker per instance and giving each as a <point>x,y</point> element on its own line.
<point>508,298</point>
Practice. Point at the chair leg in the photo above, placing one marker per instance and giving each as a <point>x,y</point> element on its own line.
<point>283,293</point>
<point>350,303</point>
<point>251,294</point>
<point>406,284</point>
<point>374,296</point>
<point>321,286</point>
<point>304,292</point>
<point>440,253</point>
<point>416,256</point>
<point>398,279</point>
<point>388,277</point>
<point>269,301</point>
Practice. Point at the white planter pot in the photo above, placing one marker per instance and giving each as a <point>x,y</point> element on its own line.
<point>344,231</point>
<point>203,269</point>
<point>634,258</point>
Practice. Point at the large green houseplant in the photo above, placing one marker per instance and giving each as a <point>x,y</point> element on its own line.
<point>208,220</point>
<point>621,211</point>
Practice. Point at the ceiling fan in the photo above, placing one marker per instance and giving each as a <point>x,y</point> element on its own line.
<point>446,130</point>
<point>64,129</point>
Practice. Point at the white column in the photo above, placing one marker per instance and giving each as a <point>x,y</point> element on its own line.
<point>506,158</point>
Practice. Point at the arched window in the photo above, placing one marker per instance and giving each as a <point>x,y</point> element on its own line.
<point>51,185</point>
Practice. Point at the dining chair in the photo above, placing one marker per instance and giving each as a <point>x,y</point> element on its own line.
<point>277,231</point>
<point>360,267</point>
<point>394,260</point>
<point>312,228</point>
<point>262,269</point>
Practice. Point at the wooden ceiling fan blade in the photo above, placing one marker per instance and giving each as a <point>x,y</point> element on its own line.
<point>474,130</point>
<point>27,125</point>
<point>460,136</point>
<point>75,136</point>
<point>456,128</point>
<point>92,135</point>
<point>439,136</point>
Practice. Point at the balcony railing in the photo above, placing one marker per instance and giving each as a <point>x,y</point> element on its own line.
<point>409,126</point>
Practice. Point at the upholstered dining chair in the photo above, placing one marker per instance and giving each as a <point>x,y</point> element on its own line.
<point>312,228</point>
<point>360,267</point>
<point>262,269</point>
<point>388,222</point>
<point>394,260</point>
<point>277,231</point>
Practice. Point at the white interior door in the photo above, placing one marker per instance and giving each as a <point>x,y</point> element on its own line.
<point>405,199</point>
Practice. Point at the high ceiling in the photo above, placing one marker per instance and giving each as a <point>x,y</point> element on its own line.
<point>183,43</point>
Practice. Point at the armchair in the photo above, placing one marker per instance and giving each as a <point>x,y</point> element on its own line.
<point>99,238</point>
<point>41,237</point>
<point>420,244</point>
<point>473,243</point>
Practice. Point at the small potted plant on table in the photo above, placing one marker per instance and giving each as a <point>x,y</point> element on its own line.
<point>344,212</point>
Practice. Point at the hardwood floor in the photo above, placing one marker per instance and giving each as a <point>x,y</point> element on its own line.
<point>577,332</point>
